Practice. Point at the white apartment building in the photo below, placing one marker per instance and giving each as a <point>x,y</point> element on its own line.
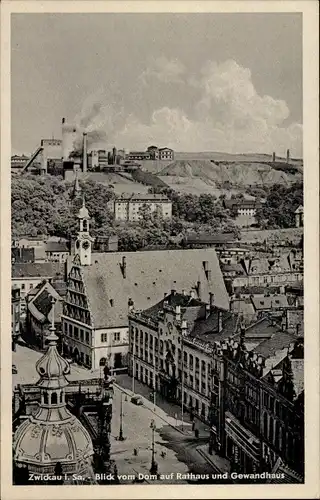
<point>127,207</point>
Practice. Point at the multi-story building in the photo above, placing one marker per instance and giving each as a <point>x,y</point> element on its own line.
<point>40,311</point>
<point>243,206</point>
<point>28,275</point>
<point>283,269</point>
<point>257,401</point>
<point>166,154</point>
<point>15,315</point>
<point>165,354</point>
<point>57,251</point>
<point>128,207</point>
<point>103,286</point>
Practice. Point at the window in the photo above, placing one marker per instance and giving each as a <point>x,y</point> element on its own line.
<point>191,361</point>
<point>81,357</point>
<point>23,286</point>
<point>87,337</point>
<point>116,336</point>
<point>31,286</point>
<point>65,327</point>
<point>70,330</point>
<point>76,332</point>
<point>104,337</point>
<point>81,335</point>
<point>54,399</point>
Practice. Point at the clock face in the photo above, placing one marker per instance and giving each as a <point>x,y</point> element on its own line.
<point>85,245</point>
<point>77,244</point>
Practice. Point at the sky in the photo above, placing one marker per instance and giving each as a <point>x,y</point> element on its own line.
<point>193,82</point>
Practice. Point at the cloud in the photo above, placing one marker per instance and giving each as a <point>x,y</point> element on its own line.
<point>165,70</point>
<point>229,115</point>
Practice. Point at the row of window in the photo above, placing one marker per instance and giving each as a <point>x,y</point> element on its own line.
<point>116,337</point>
<point>147,376</point>
<point>77,333</point>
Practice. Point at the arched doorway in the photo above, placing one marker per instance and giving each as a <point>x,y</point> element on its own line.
<point>76,355</point>
<point>102,362</point>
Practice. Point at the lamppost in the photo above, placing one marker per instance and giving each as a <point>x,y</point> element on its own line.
<point>154,465</point>
<point>121,438</point>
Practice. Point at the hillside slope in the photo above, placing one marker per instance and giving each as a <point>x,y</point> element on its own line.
<point>236,173</point>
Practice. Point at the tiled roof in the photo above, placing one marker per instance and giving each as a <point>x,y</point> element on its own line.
<point>270,302</point>
<point>41,306</point>
<point>148,276</point>
<point>241,203</point>
<point>256,290</point>
<point>228,268</point>
<point>57,246</point>
<point>206,238</point>
<point>174,299</point>
<point>142,197</point>
<point>278,341</point>
<point>37,270</point>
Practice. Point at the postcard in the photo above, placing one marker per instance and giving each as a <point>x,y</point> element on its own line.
<point>159,187</point>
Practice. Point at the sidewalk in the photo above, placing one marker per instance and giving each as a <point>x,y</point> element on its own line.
<point>220,464</point>
<point>167,411</point>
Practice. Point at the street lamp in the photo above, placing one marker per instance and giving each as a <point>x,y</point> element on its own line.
<point>154,465</point>
<point>121,438</point>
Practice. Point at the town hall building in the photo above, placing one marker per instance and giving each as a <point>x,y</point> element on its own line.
<point>103,287</point>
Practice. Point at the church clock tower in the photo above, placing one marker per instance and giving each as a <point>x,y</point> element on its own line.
<point>83,245</point>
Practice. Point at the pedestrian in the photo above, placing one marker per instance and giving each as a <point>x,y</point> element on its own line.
<point>135,452</point>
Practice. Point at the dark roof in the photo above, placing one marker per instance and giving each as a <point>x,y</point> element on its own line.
<point>270,302</point>
<point>37,270</point>
<point>141,197</point>
<point>41,306</point>
<point>228,268</point>
<point>241,203</point>
<point>57,246</point>
<point>206,238</point>
<point>148,276</point>
<point>256,290</point>
<point>278,341</point>
<point>207,329</point>
<point>173,299</point>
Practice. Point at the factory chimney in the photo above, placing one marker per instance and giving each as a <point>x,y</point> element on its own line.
<point>273,157</point>
<point>288,155</point>
<point>85,154</point>
<point>63,120</point>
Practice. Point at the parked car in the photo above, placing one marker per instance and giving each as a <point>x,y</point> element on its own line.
<point>136,400</point>
<point>14,369</point>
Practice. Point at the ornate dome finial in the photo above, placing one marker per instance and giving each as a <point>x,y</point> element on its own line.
<point>52,367</point>
<point>83,212</point>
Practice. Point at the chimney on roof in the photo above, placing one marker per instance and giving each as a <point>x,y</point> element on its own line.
<point>173,291</point>
<point>178,313</point>
<point>199,289</point>
<point>211,295</point>
<point>183,291</point>
<point>220,323</point>
<point>184,328</point>
<point>192,294</point>
<point>208,310</point>
<point>124,267</point>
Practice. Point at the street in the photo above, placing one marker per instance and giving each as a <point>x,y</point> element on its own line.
<point>176,450</point>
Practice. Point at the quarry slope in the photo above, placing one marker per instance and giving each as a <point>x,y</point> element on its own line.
<point>237,173</point>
